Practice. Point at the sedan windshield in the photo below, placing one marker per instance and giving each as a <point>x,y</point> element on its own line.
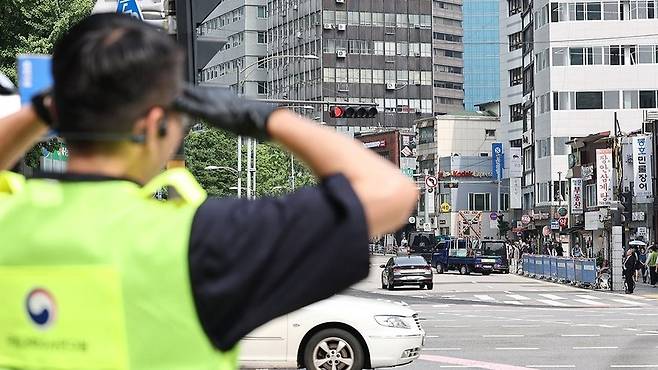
<point>412,260</point>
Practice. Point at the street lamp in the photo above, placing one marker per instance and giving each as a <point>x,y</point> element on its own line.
<point>230,169</point>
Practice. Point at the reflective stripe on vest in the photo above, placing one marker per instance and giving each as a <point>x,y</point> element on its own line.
<point>95,275</point>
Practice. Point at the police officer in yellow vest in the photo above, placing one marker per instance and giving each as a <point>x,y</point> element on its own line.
<point>96,274</point>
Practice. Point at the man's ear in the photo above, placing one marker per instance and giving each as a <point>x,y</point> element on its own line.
<point>151,127</point>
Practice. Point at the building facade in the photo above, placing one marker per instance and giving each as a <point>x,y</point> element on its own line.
<point>456,149</point>
<point>242,25</point>
<point>447,56</point>
<point>481,52</point>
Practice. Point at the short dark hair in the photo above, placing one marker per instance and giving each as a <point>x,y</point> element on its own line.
<point>110,69</point>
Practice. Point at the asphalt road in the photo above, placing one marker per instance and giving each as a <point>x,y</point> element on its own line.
<point>512,322</point>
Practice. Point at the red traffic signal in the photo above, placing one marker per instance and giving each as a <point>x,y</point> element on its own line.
<point>336,112</point>
<point>352,112</point>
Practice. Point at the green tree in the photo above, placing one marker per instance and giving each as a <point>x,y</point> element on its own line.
<point>210,147</point>
<point>33,27</point>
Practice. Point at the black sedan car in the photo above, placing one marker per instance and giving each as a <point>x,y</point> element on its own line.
<point>407,270</point>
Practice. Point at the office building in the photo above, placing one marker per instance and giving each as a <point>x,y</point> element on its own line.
<point>481,52</point>
<point>448,56</point>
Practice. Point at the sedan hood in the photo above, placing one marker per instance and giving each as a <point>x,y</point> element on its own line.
<point>354,304</point>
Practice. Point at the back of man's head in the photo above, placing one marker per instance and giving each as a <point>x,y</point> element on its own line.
<point>109,70</point>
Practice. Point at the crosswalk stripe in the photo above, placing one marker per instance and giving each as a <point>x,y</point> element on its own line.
<point>518,297</point>
<point>590,302</point>
<point>513,302</point>
<point>551,296</point>
<point>552,303</point>
<point>484,297</point>
<point>587,296</point>
<point>632,303</point>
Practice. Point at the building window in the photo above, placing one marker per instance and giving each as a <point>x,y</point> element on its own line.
<point>560,146</point>
<point>262,11</point>
<point>490,134</point>
<point>590,196</point>
<point>515,76</point>
<point>647,99</point>
<point>515,41</point>
<point>611,100</point>
<point>446,37</point>
<point>515,112</point>
<point>504,202</point>
<point>613,55</point>
<point>514,7</point>
<point>262,37</point>
<point>589,100</point>
<point>479,202</point>
<point>426,135</point>
<point>541,60</point>
<point>262,88</point>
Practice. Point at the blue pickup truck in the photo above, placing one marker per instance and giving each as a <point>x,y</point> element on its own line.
<point>468,256</point>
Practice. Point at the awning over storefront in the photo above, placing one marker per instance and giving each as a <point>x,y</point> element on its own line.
<point>573,229</point>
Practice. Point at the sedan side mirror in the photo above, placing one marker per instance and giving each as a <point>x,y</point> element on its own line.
<point>382,266</point>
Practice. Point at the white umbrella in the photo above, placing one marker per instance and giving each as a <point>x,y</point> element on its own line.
<point>638,242</point>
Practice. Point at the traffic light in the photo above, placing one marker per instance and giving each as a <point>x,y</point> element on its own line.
<point>626,200</point>
<point>503,226</point>
<point>337,111</point>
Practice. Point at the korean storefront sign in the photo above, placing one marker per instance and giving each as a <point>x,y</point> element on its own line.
<point>604,177</point>
<point>576,195</point>
<point>642,186</point>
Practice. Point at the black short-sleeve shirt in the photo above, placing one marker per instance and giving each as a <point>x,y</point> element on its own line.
<point>254,260</point>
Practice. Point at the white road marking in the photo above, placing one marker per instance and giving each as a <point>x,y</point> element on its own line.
<point>517,303</point>
<point>632,303</point>
<point>590,315</point>
<point>551,296</point>
<point>453,326</point>
<point>484,297</point>
<point>432,336</point>
<point>587,296</point>
<point>418,296</point>
<point>442,349</point>
<point>551,366</point>
<point>631,329</point>
<point>617,319</point>
<point>634,366</point>
<point>552,303</point>
<point>503,336</point>
<point>590,302</point>
<point>580,335</point>
<point>518,297</point>
<point>646,334</point>
<point>516,348</point>
<point>520,326</point>
<point>594,347</point>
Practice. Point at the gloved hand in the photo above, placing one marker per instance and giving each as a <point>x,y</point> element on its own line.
<point>41,103</point>
<point>223,109</point>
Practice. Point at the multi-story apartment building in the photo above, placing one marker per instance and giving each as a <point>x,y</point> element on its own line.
<point>481,52</point>
<point>448,56</point>
<point>584,64</point>
<point>243,26</point>
<point>371,51</point>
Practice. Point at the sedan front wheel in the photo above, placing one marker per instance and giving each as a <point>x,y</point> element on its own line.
<point>333,349</point>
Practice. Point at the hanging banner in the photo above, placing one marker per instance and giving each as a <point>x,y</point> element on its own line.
<point>429,200</point>
<point>576,196</point>
<point>603,177</point>
<point>515,163</point>
<point>498,161</point>
<point>515,192</point>
<point>642,186</point>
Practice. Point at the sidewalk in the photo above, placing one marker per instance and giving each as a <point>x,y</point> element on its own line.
<point>644,290</point>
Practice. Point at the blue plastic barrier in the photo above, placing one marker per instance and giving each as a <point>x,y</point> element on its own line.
<point>528,268</point>
<point>547,266</point>
<point>539,266</point>
<point>579,271</point>
<point>554,268</point>
<point>561,264</point>
<point>589,271</point>
<point>571,270</point>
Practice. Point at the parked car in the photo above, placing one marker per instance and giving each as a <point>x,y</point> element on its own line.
<point>422,244</point>
<point>407,270</point>
<point>342,332</point>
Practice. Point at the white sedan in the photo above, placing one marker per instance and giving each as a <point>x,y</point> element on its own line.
<point>339,333</point>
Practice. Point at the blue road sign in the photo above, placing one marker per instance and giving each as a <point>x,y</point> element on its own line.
<point>131,8</point>
<point>34,75</point>
<point>498,160</point>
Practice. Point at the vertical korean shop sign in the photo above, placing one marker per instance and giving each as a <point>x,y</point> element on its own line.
<point>603,176</point>
<point>576,196</point>
<point>642,186</point>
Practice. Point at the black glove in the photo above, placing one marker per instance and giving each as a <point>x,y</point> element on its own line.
<point>41,108</point>
<point>223,109</point>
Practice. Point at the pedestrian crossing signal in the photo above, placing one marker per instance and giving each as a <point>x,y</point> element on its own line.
<point>352,112</point>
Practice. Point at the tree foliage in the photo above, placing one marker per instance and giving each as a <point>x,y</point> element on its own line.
<point>33,27</point>
<point>209,147</point>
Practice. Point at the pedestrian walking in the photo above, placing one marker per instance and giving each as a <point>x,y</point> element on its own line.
<point>629,270</point>
<point>113,278</point>
<point>559,250</point>
<point>576,251</point>
<point>652,258</point>
<point>641,272</point>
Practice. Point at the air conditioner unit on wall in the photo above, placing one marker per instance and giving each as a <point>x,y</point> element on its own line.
<point>390,86</point>
<point>340,1</point>
<point>342,27</point>
<point>328,26</point>
<point>415,82</point>
<point>341,53</point>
